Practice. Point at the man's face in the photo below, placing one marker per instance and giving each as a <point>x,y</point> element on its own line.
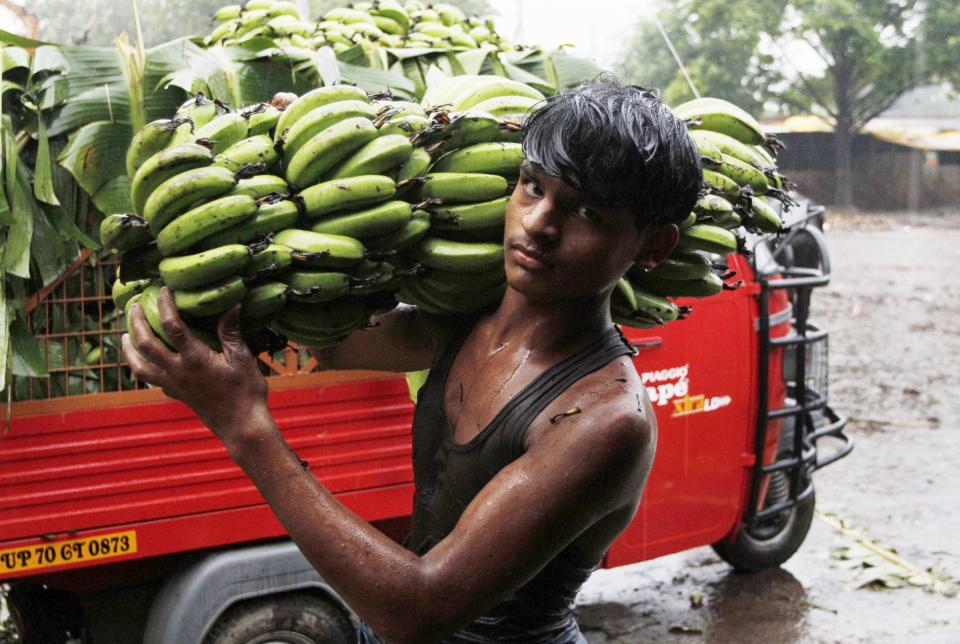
<point>560,247</point>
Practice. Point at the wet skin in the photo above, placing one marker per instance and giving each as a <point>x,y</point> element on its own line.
<point>580,479</point>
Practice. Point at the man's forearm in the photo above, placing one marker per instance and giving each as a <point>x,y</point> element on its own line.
<point>380,579</point>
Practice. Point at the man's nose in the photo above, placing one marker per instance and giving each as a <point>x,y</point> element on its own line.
<point>542,220</point>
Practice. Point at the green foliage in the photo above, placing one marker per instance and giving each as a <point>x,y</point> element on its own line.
<point>719,42</point>
<point>870,52</point>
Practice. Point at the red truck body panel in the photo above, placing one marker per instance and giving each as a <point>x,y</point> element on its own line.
<point>74,484</point>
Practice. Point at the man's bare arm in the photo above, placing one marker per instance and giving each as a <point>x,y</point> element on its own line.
<point>404,339</point>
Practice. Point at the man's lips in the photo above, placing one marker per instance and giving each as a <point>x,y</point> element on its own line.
<point>529,257</point>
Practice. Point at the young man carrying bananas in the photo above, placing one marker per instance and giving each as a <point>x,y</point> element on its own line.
<point>533,436</point>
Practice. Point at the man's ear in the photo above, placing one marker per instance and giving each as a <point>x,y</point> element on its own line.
<point>657,246</point>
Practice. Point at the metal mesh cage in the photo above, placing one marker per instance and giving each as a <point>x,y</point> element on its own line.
<point>78,330</point>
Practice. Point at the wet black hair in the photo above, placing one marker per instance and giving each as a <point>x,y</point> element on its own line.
<point>620,146</point>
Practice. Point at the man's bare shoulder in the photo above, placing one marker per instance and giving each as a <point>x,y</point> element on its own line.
<point>605,410</point>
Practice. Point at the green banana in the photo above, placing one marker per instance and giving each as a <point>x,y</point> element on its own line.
<point>416,164</point>
<point>148,302</point>
<point>712,205</point>
<point>344,194</point>
<point>502,106</point>
<point>121,292</point>
<point>270,218</point>
<point>261,185</point>
<point>124,232</point>
<point>623,296</point>
<point>264,300</point>
<point>262,118</point>
<point>314,99</point>
<point>199,109</point>
<point>206,219</point>
<point>374,276</point>
<point>316,286</point>
<point>344,315</point>
<point>463,129</point>
<point>319,119</point>
<point>651,304</point>
<point>742,173</point>
<point>228,12</point>
<point>284,8</point>
<point>728,221</point>
<point>471,216</point>
<point>461,187</point>
<point>487,87</point>
<point>683,266</point>
<point>709,284</point>
<point>720,184</point>
<point>380,220</point>
<point>224,131</point>
<point>708,149</point>
<point>191,271</point>
<point>460,257</point>
<point>728,145</point>
<point>393,10</point>
<point>151,138</point>
<point>450,281</point>
<point>407,125</point>
<point>212,299</point>
<point>412,232</point>
<point>319,250</point>
<point>327,149</point>
<point>175,195</point>
<point>257,149</point>
<point>689,221</point>
<point>348,16</point>
<point>379,155</point>
<point>483,158</point>
<point>165,165</point>
<point>271,259</point>
<point>389,25</point>
<point>221,31</point>
<point>763,216</point>
<point>721,116</point>
<point>710,239</point>
<point>400,108</point>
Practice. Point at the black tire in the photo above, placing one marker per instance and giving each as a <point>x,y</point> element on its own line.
<point>292,618</point>
<point>771,543</point>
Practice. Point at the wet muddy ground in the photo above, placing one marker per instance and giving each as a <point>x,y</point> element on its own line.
<point>893,312</point>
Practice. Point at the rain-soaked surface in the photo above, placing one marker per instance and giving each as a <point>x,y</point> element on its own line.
<point>893,312</point>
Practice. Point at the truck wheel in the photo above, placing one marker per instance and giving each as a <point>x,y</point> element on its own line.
<point>769,544</point>
<point>295,618</point>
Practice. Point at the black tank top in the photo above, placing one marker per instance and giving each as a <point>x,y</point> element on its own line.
<point>448,476</point>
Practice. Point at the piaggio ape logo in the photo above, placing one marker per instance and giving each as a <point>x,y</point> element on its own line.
<point>672,385</point>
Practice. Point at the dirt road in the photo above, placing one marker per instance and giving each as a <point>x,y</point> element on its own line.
<point>893,311</point>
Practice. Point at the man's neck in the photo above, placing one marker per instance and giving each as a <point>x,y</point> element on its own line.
<point>548,327</point>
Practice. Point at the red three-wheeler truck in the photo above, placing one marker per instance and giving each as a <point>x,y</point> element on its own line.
<point>123,520</point>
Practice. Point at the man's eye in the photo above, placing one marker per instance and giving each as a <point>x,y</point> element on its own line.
<point>531,188</point>
<point>587,212</point>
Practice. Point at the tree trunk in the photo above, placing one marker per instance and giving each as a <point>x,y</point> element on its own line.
<point>843,167</point>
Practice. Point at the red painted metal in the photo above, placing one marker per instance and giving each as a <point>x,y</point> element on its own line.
<point>145,464</point>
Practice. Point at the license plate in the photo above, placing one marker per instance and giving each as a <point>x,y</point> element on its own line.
<point>71,551</point>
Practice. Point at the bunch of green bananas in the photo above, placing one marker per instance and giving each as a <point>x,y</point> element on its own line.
<point>467,159</point>
<point>739,174</point>
<point>216,220</point>
<point>315,216</point>
<point>385,22</point>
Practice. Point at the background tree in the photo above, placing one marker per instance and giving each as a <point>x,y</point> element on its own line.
<point>868,53</point>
